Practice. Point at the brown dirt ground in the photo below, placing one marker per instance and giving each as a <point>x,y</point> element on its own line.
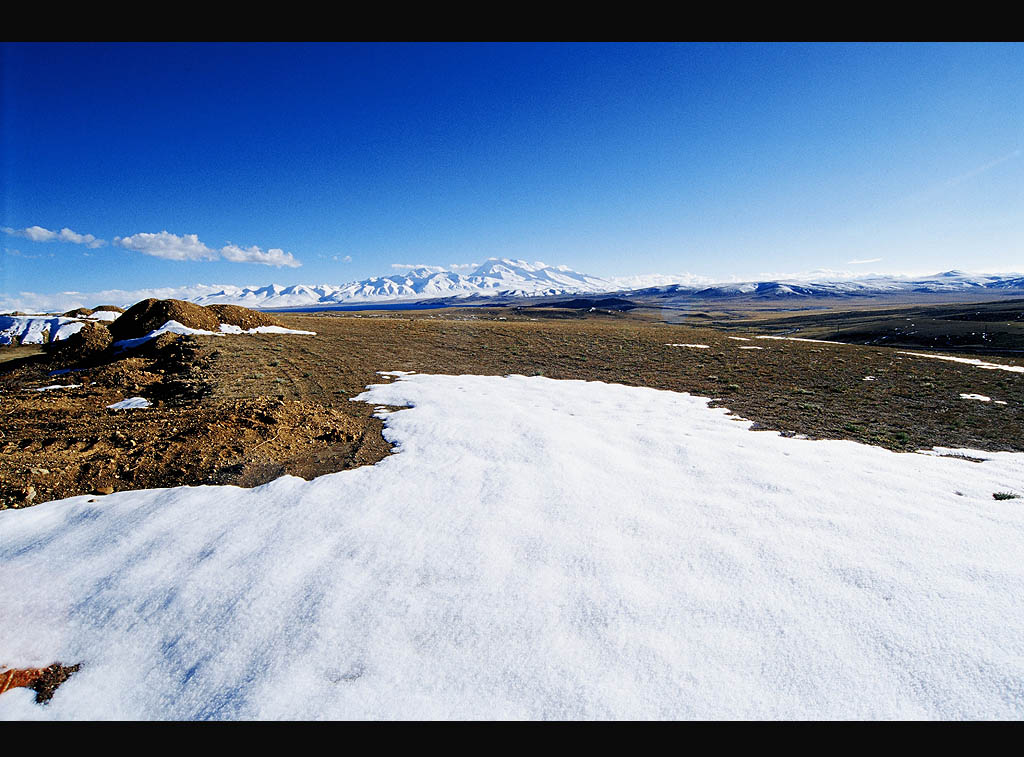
<point>245,409</point>
<point>150,314</point>
<point>242,317</point>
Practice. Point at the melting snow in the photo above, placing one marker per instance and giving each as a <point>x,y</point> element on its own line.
<point>175,327</point>
<point>970,361</point>
<point>103,315</point>
<point>981,397</point>
<point>799,339</point>
<point>132,403</point>
<point>536,549</point>
<point>698,346</point>
<point>229,328</point>
<point>56,386</point>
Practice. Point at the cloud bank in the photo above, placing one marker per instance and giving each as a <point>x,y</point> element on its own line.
<point>189,247</point>
<point>39,234</point>
<point>163,245</point>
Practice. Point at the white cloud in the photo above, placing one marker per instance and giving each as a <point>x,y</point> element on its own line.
<point>39,234</point>
<point>167,245</point>
<point>254,254</point>
<point>863,262</point>
<point>189,247</point>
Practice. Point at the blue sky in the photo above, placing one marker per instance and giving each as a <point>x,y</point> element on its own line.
<point>719,160</point>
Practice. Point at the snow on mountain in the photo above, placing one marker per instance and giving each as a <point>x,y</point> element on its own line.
<point>506,278</point>
<point>497,276</point>
<point>518,278</point>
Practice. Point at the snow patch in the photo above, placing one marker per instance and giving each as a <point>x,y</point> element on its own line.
<point>37,330</point>
<point>970,361</point>
<point>132,403</point>
<point>174,327</point>
<point>799,339</point>
<point>536,549</point>
<point>230,328</point>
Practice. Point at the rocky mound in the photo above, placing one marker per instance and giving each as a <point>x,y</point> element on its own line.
<point>93,340</point>
<point>150,314</point>
<point>79,313</point>
<point>242,317</point>
<point>113,308</point>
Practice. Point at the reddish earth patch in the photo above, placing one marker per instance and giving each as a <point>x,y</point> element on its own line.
<point>44,681</point>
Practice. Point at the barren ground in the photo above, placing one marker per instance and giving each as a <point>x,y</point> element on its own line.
<point>245,409</point>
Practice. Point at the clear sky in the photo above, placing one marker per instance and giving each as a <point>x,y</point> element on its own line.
<point>720,160</point>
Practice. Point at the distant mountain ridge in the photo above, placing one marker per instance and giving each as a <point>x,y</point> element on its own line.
<point>503,280</point>
<point>497,276</point>
<point>506,278</point>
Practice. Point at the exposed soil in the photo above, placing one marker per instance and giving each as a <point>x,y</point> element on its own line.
<point>243,317</point>
<point>151,314</point>
<point>44,681</point>
<point>63,442</point>
<point>244,409</point>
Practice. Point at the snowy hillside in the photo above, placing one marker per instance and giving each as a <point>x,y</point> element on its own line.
<point>505,279</point>
<point>536,549</point>
<point>494,277</point>
<point>517,278</point>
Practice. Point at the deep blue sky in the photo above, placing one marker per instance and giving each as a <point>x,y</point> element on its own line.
<point>721,160</point>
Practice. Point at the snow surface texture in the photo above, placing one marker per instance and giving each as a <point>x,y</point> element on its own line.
<point>536,549</point>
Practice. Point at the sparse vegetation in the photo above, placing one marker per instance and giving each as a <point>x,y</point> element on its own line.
<point>795,386</point>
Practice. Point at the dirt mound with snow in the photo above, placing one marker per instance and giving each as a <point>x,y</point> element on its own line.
<point>242,317</point>
<point>91,341</point>
<point>79,313</point>
<point>150,314</point>
<point>112,308</point>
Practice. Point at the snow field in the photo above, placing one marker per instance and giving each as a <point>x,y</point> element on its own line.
<point>536,549</point>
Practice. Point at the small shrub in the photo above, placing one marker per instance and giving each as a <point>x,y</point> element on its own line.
<point>1005,495</point>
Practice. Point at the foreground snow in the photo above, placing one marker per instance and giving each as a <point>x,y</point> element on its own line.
<point>537,549</point>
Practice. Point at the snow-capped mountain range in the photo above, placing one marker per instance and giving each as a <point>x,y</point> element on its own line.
<point>504,278</point>
<point>497,276</point>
